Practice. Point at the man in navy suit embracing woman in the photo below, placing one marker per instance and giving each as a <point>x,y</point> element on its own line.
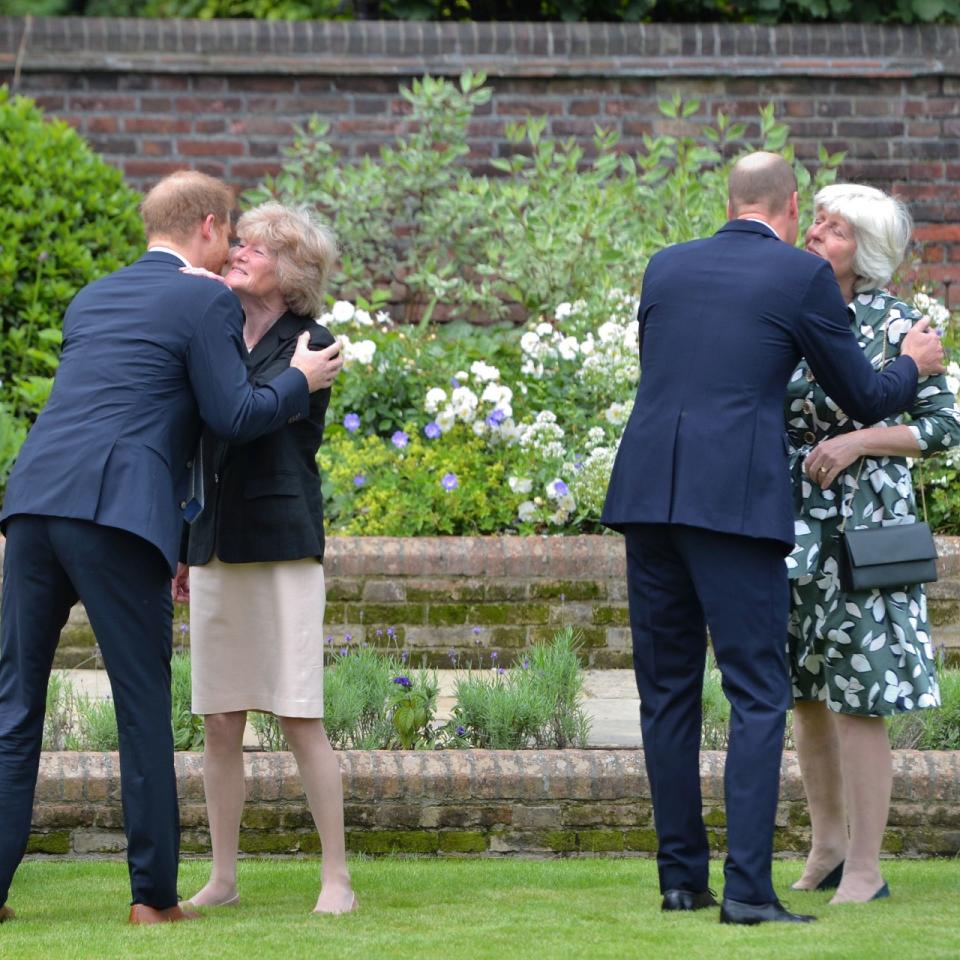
<point>93,509</point>
<point>701,490</point>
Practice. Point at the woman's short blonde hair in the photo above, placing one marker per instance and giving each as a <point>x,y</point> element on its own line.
<point>305,247</point>
<point>881,228</point>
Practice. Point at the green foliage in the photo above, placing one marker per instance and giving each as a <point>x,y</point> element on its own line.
<point>58,718</point>
<point>412,706</point>
<point>659,11</point>
<point>95,725</point>
<point>357,687</point>
<point>931,729</point>
<point>535,704</point>
<point>267,728</point>
<point>188,731</point>
<point>66,218</point>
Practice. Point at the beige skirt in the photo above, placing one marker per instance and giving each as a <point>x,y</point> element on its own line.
<point>256,637</point>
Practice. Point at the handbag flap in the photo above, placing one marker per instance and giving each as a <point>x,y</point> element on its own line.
<point>897,544</point>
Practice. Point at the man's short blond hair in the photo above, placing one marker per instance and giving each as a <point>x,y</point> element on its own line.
<point>179,203</point>
<point>763,180</point>
<point>305,248</point>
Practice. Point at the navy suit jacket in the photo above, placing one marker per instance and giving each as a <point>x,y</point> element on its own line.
<point>147,352</point>
<point>723,323</point>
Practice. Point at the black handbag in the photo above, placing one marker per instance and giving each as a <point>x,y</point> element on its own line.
<point>881,557</point>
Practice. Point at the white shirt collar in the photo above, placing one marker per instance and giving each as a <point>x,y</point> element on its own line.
<point>173,253</point>
<point>764,222</point>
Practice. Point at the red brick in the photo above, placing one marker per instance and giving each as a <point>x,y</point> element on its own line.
<point>251,172</point>
<point>102,103</point>
<point>217,105</point>
<point>156,148</point>
<point>142,124</point>
<point>210,148</point>
<point>510,107</point>
<point>152,169</point>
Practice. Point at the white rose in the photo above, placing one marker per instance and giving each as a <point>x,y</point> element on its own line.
<point>527,511</point>
<point>343,311</point>
<point>363,318</point>
<point>383,318</point>
<point>484,371</point>
<point>361,351</point>
<point>445,419</point>
<point>544,330</point>
<point>563,311</point>
<point>463,397</point>
<point>520,484</point>
<point>568,348</point>
<point>529,342</point>
<point>435,396</point>
<point>479,427</point>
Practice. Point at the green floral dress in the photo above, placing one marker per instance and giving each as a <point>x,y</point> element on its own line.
<point>866,652</point>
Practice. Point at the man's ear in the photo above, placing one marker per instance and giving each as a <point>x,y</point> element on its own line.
<point>207,226</point>
<point>794,210</point>
<point>729,210</point>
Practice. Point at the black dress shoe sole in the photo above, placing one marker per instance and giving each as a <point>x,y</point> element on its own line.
<point>687,900</point>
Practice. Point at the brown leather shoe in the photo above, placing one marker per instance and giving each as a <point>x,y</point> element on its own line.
<point>6,913</point>
<point>140,913</point>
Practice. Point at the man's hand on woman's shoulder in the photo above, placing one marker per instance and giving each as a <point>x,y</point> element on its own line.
<point>923,346</point>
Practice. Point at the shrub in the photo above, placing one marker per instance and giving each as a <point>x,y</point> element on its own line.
<point>66,218</point>
<point>534,704</point>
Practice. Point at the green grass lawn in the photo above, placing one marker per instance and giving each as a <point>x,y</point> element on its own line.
<point>502,909</point>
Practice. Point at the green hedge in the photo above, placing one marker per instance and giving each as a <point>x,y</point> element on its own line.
<point>651,11</point>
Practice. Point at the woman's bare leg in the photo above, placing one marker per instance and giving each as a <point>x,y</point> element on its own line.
<point>322,783</point>
<point>223,785</point>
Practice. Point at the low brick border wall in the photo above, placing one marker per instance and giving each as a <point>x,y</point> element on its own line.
<point>462,597</point>
<point>472,803</point>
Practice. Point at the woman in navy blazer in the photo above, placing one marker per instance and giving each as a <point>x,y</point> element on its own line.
<point>255,554</point>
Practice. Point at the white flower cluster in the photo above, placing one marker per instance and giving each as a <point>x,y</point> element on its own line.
<point>613,355</point>
<point>488,409</point>
<point>544,343</point>
<point>343,311</point>
<point>931,309</point>
<point>556,507</point>
<point>543,435</point>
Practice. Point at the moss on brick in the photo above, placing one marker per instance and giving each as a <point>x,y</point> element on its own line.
<point>335,613</point>
<point>611,616</point>
<point>463,841</point>
<point>506,590</point>
<point>505,637</point>
<point>567,589</point>
<point>508,613</point>
<point>597,841</point>
<point>715,818</point>
<point>392,841</point>
<point>591,637</point>
<point>893,843</point>
<point>447,614</point>
<point>456,592</point>
<point>943,612</point>
<point>338,589</point>
<point>271,841</point>
<point>194,844</point>
<point>56,842</point>
<point>560,841</point>
<point>388,614</point>
<point>640,840</point>
<point>790,841</point>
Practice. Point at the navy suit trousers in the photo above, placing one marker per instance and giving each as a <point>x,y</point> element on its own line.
<point>681,580</point>
<point>124,583</point>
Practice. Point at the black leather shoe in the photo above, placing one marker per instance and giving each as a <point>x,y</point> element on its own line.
<point>688,900</point>
<point>832,880</point>
<point>734,911</point>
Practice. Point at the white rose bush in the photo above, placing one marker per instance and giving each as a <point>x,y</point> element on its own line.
<point>454,430</point>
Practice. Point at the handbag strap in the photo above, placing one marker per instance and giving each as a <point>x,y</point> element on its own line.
<point>856,483</point>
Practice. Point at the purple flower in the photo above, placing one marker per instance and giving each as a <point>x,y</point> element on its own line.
<point>454,382</point>
<point>525,664</point>
<point>390,631</point>
<point>450,481</point>
<point>560,488</point>
<point>493,656</point>
<point>400,439</point>
<point>501,670</point>
<point>496,418</point>
<point>351,422</point>
<point>359,480</point>
<point>432,430</point>
<point>329,640</point>
<point>404,656</point>
<point>403,682</point>
<point>344,651</point>
<point>461,731</point>
<point>347,638</point>
<point>452,655</point>
<point>183,629</point>
<point>476,630</point>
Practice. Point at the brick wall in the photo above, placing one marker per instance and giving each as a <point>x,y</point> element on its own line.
<point>472,802</point>
<point>154,96</point>
<point>460,598</point>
